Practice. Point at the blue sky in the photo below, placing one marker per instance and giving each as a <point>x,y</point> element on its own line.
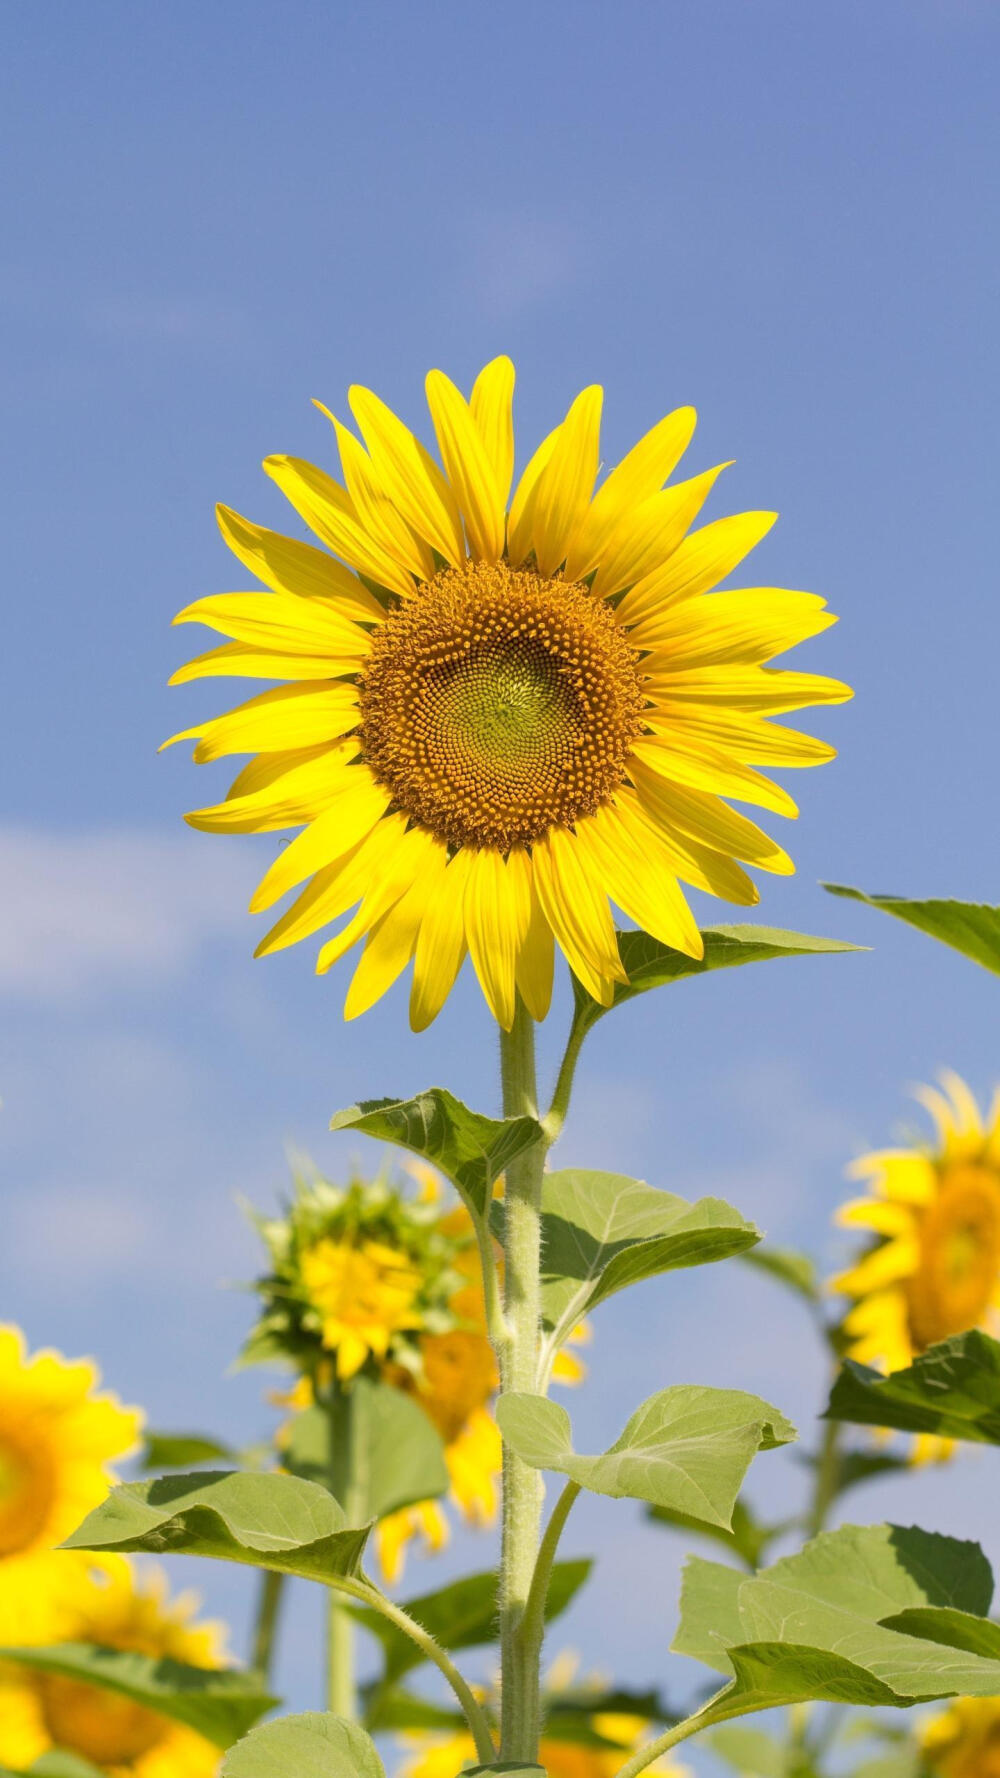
<point>781,214</point>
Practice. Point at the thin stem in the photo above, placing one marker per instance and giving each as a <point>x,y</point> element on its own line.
<point>556,1115</point>
<point>341,1693</point>
<point>522,1486</point>
<point>272,1586</point>
<point>475,1716</point>
<point>827,1482</point>
<point>706,1717</point>
<point>533,1622</point>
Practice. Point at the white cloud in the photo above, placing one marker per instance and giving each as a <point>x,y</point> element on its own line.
<point>78,909</point>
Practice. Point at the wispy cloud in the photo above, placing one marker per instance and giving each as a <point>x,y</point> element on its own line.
<point>79,909</point>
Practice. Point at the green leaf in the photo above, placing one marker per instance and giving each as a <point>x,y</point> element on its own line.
<point>460,1615</point>
<point>956,1629</point>
<point>269,1521</point>
<point>315,1745</point>
<point>219,1704</point>
<point>652,964</point>
<point>61,1765</point>
<point>747,1537</point>
<point>952,1390</point>
<point>603,1231</point>
<point>509,1769</point>
<point>388,1707</point>
<point>686,1447</point>
<point>967,926</point>
<point>750,1751</point>
<point>821,1624</point>
<point>180,1450</point>
<point>397,1456</point>
<point>796,1270</point>
<point>472,1150</point>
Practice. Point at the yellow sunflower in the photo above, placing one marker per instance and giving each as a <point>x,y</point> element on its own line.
<point>58,1437</point>
<point>934,1210</point>
<point>964,1741</point>
<point>364,1294</point>
<point>500,719</point>
<point>41,1711</point>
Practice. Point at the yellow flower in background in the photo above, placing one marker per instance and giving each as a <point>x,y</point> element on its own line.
<point>964,1741</point>
<point>579,1744</point>
<point>498,720</point>
<point>364,1296</point>
<point>58,1438</point>
<point>934,1269</point>
<point>41,1711</point>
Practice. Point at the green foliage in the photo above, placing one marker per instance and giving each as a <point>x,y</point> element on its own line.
<point>460,1615</point>
<point>652,964</point>
<point>967,926</point>
<point>396,1453</point>
<point>315,1745</point>
<point>603,1231</point>
<point>509,1769</point>
<point>182,1450</point>
<point>221,1705</point>
<point>471,1150</point>
<point>747,1537</point>
<point>824,1623</point>
<point>687,1448</point>
<point>750,1751</point>
<point>269,1521</point>
<point>58,1764</point>
<point>952,1389</point>
<point>795,1270</point>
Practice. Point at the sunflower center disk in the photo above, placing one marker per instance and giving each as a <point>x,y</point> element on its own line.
<point>497,704</point>
<point>960,1257</point>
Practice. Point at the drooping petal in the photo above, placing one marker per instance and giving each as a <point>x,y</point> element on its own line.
<point>353,812</point>
<point>400,870</point>
<point>567,479</point>
<point>468,466</point>
<point>638,879</point>
<point>576,908</point>
<point>288,566</point>
<point>288,794</point>
<point>279,622</point>
<point>336,887</point>
<point>497,915</point>
<point>441,945</point>
<point>699,767</point>
<point>329,511</point>
<point>409,475</point>
<point>535,965</point>
<point>685,858</point>
<point>708,820</point>
<point>288,716</point>
<point>492,410</point>
<point>697,565</point>
<point>391,943</point>
<point>641,473</point>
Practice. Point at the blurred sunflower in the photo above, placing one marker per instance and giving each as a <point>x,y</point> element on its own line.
<point>964,1741</point>
<point>933,1269</point>
<point>40,1711</point>
<point>498,720</point>
<point>581,1740</point>
<point>58,1438</point>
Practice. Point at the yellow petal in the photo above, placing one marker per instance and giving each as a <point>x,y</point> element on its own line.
<point>400,870</point>
<point>468,467</point>
<point>577,911</point>
<point>683,857</point>
<point>567,480</point>
<point>746,626</point>
<point>409,475</point>
<point>521,523</point>
<point>751,738</point>
<point>624,856</point>
<point>374,507</point>
<point>898,1173</point>
<point>391,943</point>
<point>708,820</point>
<point>441,945</point>
<point>894,1260</point>
<point>287,566</point>
<point>356,806</point>
<point>492,410</point>
<point>876,1214</point>
<point>296,794</point>
<point>337,886</point>
<point>330,512</point>
<point>701,561</point>
<point>536,958</point>
<point>647,536</point>
<point>237,660</point>
<point>966,1112</point>
<point>288,716</point>
<point>771,690</point>
<point>641,473</point>
<point>280,622</point>
<point>681,761</point>
<point>497,913</point>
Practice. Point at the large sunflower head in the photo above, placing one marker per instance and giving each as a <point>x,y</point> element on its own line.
<point>58,1439</point>
<point>39,1711</point>
<point>932,1266</point>
<point>501,714</point>
<point>964,1740</point>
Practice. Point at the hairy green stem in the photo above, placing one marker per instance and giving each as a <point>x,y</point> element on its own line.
<point>341,1694</point>
<point>272,1586</point>
<point>557,1113</point>
<point>518,1358</point>
<point>533,1622</point>
<point>707,1717</point>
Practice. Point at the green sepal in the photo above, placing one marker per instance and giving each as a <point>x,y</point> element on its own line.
<point>687,1447</point>
<point>951,1390</point>
<point>462,1614</point>
<point>473,1151</point>
<point>216,1702</point>
<point>265,1520</point>
<point>315,1745</point>
<point>968,926</point>
<point>397,1455</point>
<point>649,963</point>
<point>823,1623</point>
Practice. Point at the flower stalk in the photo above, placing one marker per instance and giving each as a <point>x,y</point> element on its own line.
<point>341,1689</point>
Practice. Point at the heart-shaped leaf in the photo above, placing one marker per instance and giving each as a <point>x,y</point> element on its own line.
<point>217,1703</point>
<point>951,1390</point>
<point>315,1745</point>
<point>968,926</point>
<point>687,1448</point>
<point>471,1150</point>
<point>269,1521</point>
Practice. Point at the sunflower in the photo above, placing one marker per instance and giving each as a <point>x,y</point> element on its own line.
<point>934,1211</point>
<point>964,1741</point>
<point>40,1711</point>
<point>365,1295</point>
<point>499,719</point>
<point>58,1437</point>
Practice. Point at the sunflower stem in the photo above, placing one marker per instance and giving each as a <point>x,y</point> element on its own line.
<point>519,1362</point>
<point>826,1486</point>
<point>557,1113</point>
<point>341,1695</point>
<point>272,1586</point>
